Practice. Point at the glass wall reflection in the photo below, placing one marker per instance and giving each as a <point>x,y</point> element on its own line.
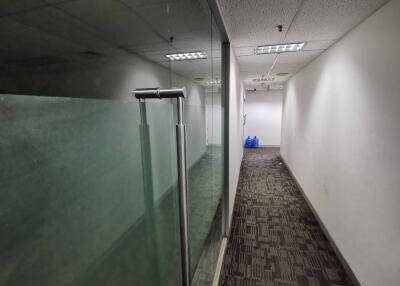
<point>88,186</point>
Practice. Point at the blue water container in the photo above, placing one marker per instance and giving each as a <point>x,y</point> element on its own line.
<point>255,142</point>
<point>248,143</point>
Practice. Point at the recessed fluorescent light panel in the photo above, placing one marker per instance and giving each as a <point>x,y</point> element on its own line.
<point>187,56</point>
<point>281,48</point>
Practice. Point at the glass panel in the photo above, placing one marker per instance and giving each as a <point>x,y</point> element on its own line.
<point>203,119</point>
<point>88,192</point>
<point>214,166</point>
<point>74,207</point>
<point>88,176</point>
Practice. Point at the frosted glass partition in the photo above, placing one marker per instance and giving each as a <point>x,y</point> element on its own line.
<point>74,207</point>
<point>203,116</point>
<point>205,187</point>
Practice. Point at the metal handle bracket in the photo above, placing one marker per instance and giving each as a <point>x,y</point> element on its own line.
<point>144,93</point>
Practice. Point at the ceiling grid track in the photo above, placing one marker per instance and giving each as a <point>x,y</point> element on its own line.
<point>285,35</point>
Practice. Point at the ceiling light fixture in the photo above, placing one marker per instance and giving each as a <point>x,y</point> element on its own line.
<point>187,56</point>
<point>281,48</point>
<point>214,82</point>
<point>282,74</point>
<point>263,79</point>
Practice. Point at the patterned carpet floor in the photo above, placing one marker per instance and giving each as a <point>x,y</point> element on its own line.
<point>275,238</point>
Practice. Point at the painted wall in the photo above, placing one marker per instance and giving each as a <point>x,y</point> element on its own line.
<point>236,94</point>
<point>341,139</point>
<point>263,112</point>
<point>213,119</point>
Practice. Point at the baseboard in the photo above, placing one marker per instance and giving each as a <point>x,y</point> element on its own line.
<point>271,146</point>
<point>343,261</point>
<point>229,227</point>
<point>220,262</point>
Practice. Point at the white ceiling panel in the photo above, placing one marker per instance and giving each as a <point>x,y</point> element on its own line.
<point>244,51</point>
<point>193,43</point>
<point>297,58</point>
<point>318,45</point>
<point>161,47</point>
<point>293,62</point>
<point>256,63</point>
<point>113,20</point>
<point>14,6</point>
<point>89,10</point>
<point>330,19</point>
<point>56,1</point>
<point>253,22</point>
<point>28,39</point>
<point>56,23</point>
<point>138,3</point>
<point>318,22</point>
<point>176,18</point>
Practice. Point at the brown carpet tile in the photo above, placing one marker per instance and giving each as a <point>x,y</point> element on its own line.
<point>275,238</point>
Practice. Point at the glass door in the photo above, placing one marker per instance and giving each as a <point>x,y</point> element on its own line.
<point>89,176</point>
<point>86,197</point>
<point>199,34</point>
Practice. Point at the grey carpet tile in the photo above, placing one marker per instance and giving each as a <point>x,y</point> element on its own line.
<point>275,238</point>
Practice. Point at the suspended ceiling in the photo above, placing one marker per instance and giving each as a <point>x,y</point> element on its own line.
<point>320,23</point>
<point>69,35</point>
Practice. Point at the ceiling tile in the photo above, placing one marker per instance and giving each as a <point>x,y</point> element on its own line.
<point>113,20</point>
<point>244,51</point>
<point>318,45</point>
<point>26,39</point>
<point>57,23</point>
<point>256,62</point>
<point>14,6</point>
<point>253,22</point>
<point>318,22</point>
<point>293,62</point>
<point>137,3</point>
<point>177,18</point>
<point>330,19</point>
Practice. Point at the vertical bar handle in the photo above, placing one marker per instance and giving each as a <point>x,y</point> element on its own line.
<point>179,94</point>
<point>183,194</point>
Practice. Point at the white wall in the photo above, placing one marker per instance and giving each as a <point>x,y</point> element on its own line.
<point>341,139</point>
<point>263,112</point>
<point>213,119</point>
<point>236,93</point>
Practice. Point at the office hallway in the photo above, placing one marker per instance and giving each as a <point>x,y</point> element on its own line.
<point>275,238</point>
